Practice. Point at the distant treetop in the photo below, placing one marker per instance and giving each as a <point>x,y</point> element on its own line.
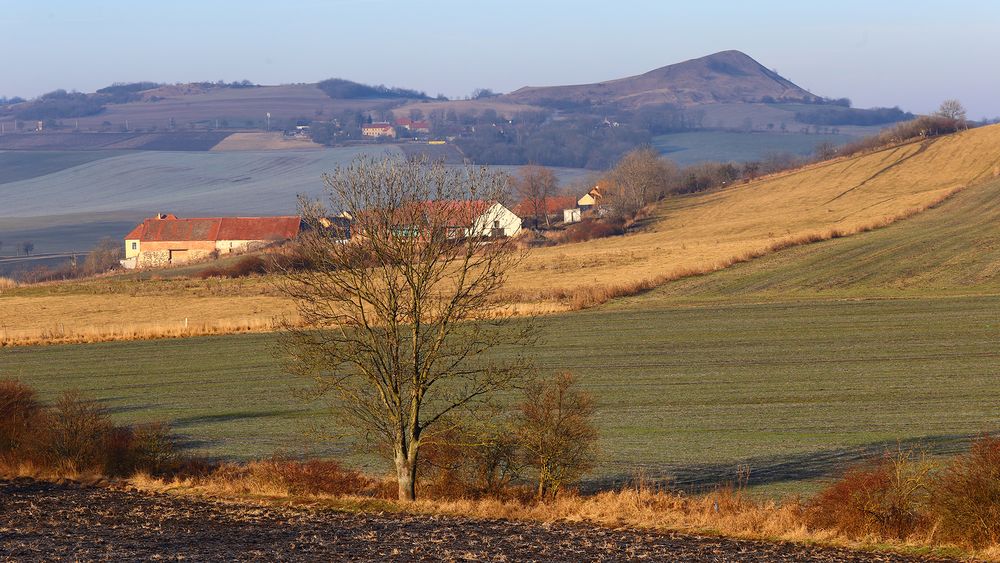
<point>340,89</point>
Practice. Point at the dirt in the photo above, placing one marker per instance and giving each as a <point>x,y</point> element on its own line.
<point>69,521</point>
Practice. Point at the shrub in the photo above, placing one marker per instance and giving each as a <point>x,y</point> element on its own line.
<point>591,229</point>
<point>463,462</point>
<point>146,447</point>
<point>965,499</point>
<point>244,267</point>
<point>557,432</point>
<point>19,414</point>
<point>77,432</point>
<point>883,500</point>
<point>283,476</point>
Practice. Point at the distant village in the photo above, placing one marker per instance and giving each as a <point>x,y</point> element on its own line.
<point>168,240</point>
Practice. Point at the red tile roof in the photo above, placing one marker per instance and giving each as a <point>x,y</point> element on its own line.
<point>216,228</point>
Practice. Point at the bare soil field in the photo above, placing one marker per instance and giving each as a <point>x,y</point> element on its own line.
<point>69,521</point>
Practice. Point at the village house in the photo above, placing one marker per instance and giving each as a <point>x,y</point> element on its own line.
<point>166,240</point>
<point>378,129</point>
<point>548,209</point>
<point>414,126</point>
<point>591,199</point>
<point>456,219</point>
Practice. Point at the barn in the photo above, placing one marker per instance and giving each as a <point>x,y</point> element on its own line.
<point>167,240</point>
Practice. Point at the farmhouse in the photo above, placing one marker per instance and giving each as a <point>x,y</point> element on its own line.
<point>414,126</point>
<point>166,240</point>
<point>380,129</point>
<point>455,218</point>
<point>591,199</point>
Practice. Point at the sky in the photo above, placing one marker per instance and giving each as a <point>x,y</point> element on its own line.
<point>912,54</point>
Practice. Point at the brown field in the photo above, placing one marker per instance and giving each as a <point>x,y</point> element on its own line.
<point>684,236</point>
<point>67,520</point>
<point>263,141</point>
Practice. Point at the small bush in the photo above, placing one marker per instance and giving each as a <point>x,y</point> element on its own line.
<point>965,499</point>
<point>591,229</point>
<point>246,266</point>
<point>884,500</point>
<point>19,414</point>
<point>470,463</point>
<point>280,476</point>
<point>146,447</point>
<point>77,433</point>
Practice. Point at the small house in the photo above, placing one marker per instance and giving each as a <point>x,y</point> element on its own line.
<point>378,129</point>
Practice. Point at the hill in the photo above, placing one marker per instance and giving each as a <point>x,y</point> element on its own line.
<point>181,106</point>
<point>948,250</point>
<point>710,231</point>
<point>729,76</point>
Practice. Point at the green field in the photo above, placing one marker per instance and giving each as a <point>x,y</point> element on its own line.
<point>726,146</point>
<point>794,389</point>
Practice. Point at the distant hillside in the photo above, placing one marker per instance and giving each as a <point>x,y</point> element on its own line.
<point>711,230</point>
<point>729,76</point>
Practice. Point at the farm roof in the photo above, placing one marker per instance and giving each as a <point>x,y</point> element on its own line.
<point>216,228</point>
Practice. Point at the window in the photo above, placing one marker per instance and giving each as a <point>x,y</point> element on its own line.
<point>135,246</point>
<point>496,224</point>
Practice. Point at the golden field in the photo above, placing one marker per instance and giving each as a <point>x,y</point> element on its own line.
<point>708,231</point>
<point>683,236</point>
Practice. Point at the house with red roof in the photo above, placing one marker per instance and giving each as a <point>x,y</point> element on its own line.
<point>168,240</point>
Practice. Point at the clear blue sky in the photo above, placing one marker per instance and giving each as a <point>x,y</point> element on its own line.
<point>912,54</point>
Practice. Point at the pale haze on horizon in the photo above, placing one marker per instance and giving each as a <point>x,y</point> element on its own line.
<point>913,55</point>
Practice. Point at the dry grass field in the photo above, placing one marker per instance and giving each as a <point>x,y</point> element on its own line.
<point>263,141</point>
<point>706,232</point>
<point>684,236</point>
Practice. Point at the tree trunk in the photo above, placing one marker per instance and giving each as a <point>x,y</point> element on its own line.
<point>406,475</point>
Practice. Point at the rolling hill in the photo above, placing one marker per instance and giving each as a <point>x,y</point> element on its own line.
<point>953,249</point>
<point>685,236</point>
<point>726,77</point>
<point>710,231</point>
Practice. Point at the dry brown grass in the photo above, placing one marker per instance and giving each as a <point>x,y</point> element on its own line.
<point>61,333</point>
<point>7,283</point>
<point>262,141</point>
<point>708,231</point>
<point>726,512</point>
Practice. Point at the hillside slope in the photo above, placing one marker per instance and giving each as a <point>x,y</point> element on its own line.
<point>687,235</point>
<point>953,248</point>
<point>729,76</point>
<point>705,232</point>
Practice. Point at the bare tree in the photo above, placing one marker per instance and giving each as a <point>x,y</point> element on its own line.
<point>641,177</point>
<point>536,184</point>
<point>398,319</point>
<point>557,432</point>
<point>952,109</point>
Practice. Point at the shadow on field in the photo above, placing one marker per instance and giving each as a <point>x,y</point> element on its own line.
<point>230,417</point>
<point>768,470</point>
